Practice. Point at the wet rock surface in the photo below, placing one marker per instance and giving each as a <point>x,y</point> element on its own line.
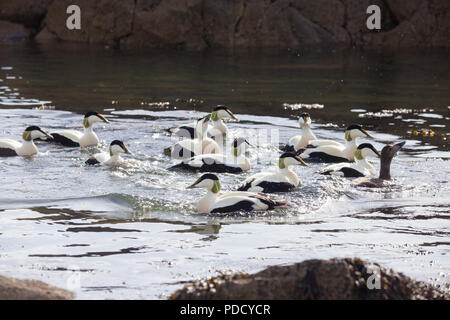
<point>313,279</point>
<point>15,289</point>
<point>196,25</point>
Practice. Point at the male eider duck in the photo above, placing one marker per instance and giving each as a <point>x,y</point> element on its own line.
<point>360,168</point>
<point>12,148</point>
<point>282,180</point>
<point>230,201</point>
<point>236,162</point>
<point>111,158</point>
<point>301,141</point>
<point>189,148</point>
<point>387,153</point>
<point>74,138</point>
<point>332,151</point>
<point>218,127</point>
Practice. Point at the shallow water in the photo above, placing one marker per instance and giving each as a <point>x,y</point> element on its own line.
<point>132,232</point>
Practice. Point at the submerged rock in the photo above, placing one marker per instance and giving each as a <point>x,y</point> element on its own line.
<point>313,279</point>
<point>13,32</point>
<point>15,289</point>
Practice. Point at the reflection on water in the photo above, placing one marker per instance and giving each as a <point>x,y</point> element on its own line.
<point>81,78</point>
<point>132,232</point>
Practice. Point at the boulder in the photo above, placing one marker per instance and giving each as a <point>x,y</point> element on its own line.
<point>14,289</point>
<point>102,21</point>
<point>313,279</point>
<point>27,12</point>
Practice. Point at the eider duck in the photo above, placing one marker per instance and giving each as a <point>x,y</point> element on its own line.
<point>111,158</point>
<point>230,201</point>
<point>74,138</point>
<point>282,180</point>
<point>236,162</point>
<point>218,127</point>
<point>330,151</point>
<point>301,141</point>
<point>12,148</point>
<point>387,153</point>
<point>360,168</point>
<point>189,148</point>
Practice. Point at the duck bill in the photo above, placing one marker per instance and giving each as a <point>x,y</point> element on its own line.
<point>303,163</point>
<point>396,147</point>
<point>306,120</point>
<point>48,135</point>
<point>125,149</point>
<point>378,153</point>
<point>194,185</point>
<point>366,133</point>
<point>232,115</point>
<point>102,118</point>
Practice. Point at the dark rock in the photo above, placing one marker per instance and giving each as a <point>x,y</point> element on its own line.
<point>102,21</point>
<point>27,12</point>
<point>312,279</point>
<point>231,25</point>
<point>14,289</point>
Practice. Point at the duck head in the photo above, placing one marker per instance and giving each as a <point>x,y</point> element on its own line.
<point>34,132</point>
<point>236,146</point>
<point>117,147</point>
<point>304,120</point>
<point>355,131</point>
<point>366,150</point>
<point>289,159</point>
<point>93,117</point>
<point>207,181</point>
<point>222,112</point>
<point>387,153</point>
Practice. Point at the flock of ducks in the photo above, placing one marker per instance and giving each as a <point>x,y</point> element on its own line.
<point>201,151</point>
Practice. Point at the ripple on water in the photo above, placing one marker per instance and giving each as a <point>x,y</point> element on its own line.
<point>115,226</point>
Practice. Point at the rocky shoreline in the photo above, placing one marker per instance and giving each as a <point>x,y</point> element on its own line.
<point>348,279</point>
<point>197,25</point>
<point>15,289</point>
<point>334,279</point>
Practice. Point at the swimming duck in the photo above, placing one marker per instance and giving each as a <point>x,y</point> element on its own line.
<point>111,158</point>
<point>12,148</point>
<point>360,168</point>
<point>301,141</point>
<point>218,127</point>
<point>189,148</point>
<point>282,180</point>
<point>236,162</point>
<point>230,201</point>
<point>74,138</point>
<point>387,153</point>
<point>332,151</point>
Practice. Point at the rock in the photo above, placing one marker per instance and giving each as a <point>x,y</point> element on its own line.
<point>102,21</point>
<point>27,12</point>
<point>13,32</point>
<point>167,24</point>
<point>231,25</point>
<point>14,289</point>
<point>312,279</point>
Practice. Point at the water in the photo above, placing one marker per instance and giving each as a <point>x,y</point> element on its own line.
<point>133,233</point>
